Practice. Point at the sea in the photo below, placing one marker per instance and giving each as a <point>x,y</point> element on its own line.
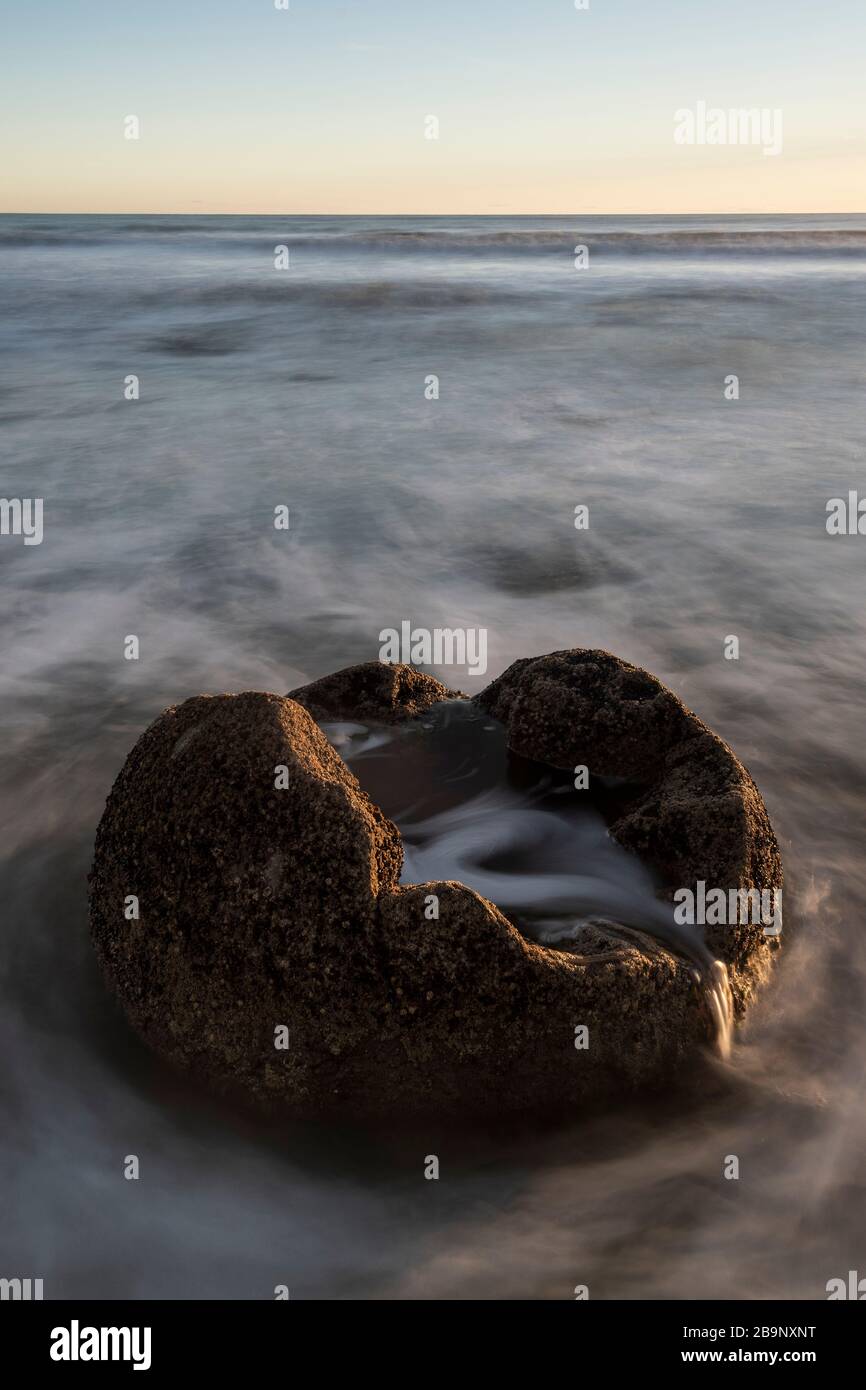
<point>433,400</point>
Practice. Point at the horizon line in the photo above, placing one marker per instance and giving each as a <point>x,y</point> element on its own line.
<point>782,212</point>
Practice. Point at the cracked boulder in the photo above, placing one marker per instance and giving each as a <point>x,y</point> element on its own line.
<point>273,953</point>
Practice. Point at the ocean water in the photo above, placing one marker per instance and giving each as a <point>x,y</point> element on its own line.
<point>558,387</point>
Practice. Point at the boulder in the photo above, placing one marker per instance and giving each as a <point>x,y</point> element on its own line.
<point>270,908</point>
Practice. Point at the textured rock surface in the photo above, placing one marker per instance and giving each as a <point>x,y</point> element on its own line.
<point>372,691</point>
<point>262,907</point>
<point>258,906</point>
<point>698,814</point>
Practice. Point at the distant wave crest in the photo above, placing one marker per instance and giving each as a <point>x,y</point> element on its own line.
<point>231,236</point>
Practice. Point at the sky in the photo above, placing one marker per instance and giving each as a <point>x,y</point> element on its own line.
<point>324,107</point>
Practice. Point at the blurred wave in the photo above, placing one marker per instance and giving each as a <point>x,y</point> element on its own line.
<point>453,237</point>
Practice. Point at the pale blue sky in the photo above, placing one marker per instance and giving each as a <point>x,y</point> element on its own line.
<point>542,108</point>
